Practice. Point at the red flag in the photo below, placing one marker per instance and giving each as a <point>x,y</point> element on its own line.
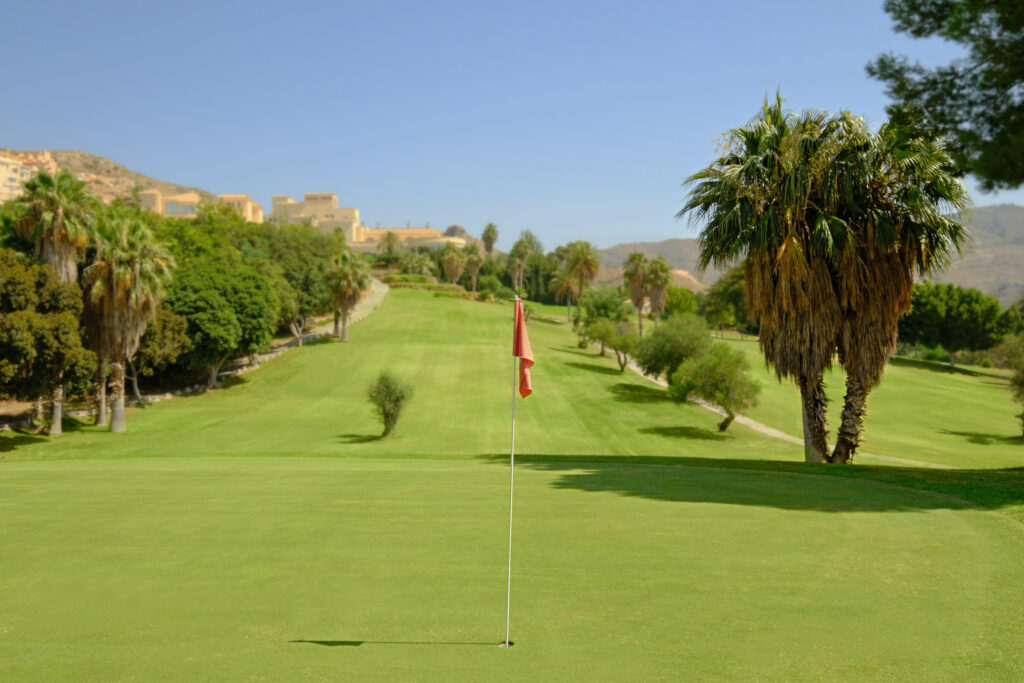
<point>521,350</point>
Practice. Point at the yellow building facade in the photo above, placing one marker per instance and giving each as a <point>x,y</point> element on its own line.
<point>13,174</point>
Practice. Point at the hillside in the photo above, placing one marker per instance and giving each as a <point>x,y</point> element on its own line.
<point>992,262</point>
<point>105,178</point>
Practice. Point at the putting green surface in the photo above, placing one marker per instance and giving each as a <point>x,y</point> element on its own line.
<point>306,568</point>
<point>262,531</point>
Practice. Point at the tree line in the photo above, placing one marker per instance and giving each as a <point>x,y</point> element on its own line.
<point>93,295</point>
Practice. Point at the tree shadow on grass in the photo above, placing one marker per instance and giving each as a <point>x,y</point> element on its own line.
<point>12,440</point>
<point>357,643</point>
<point>783,485</point>
<point>360,438</point>
<point>986,439</point>
<point>684,432</point>
<point>944,368</point>
<point>600,369</point>
<point>638,393</point>
<point>573,351</point>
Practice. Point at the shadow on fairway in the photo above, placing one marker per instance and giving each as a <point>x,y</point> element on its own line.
<point>573,351</point>
<point>686,433</point>
<point>986,439</point>
<point>600,369</point>
<point>944,368</point>
<point>357,643</point>
<point>784,485</point>
<point>8,442</point>
<point>360,438</point>
<point>638,393</point>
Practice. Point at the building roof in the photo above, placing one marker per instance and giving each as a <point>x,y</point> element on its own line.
<point>403,233</point>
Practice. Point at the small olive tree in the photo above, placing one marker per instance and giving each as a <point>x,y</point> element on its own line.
<point>720,376</point>
<point>388,395</point>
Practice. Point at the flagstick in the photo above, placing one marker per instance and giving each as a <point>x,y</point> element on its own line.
<point>511,482</point>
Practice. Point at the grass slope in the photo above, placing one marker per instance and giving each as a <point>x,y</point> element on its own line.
<point>205,543</point>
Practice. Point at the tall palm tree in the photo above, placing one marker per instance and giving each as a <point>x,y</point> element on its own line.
<point>453,262</point>
<point>899,193</point>
<point>760,200</point>
<point>563,285</point>
<point>124,286</point>
<point>474,262</point>
<point>347,279</point>
<point>516,265</point>
<point>583,264</point>
<point>490,236</point>
<point>634,274</point>
<point>659,277</point>
<point>56,215</point>
<point>389,244</point>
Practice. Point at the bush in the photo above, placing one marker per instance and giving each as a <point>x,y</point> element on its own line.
<point>489,282</point>
<point>407,278</point>
<point>504,294</point>
<point>388,396</point>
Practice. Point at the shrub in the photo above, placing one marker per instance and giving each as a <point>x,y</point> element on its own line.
<point>388,396</point>
<point>489,282</point>
<point>504,294</point>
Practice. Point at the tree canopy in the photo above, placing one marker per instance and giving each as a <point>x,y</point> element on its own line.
<point>976,101</point>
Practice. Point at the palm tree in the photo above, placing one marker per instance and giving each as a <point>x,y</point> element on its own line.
<point>389,244</point>
<point>124,285</point>
<point>515,265</point>
<point>659,277</point>
<point>760,201</point>
<point>474,262</point>
<point>490,236</point>
<point>347,279</point>
<point>900,191</point>
<point>634,275</point>
<point>56,216</point>
<point>563,285</point>
<point>583,264</point>
<point>454,263</point>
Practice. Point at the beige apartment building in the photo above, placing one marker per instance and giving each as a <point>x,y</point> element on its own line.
<point>13,174</point>
<point>186,204</point>
<point>246,206</point>
<point>321,211</point>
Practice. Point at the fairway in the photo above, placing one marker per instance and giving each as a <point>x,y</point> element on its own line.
<point>262,531</point>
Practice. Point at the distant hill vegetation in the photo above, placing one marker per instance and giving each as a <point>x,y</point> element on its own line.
<point>994,262</point>
<point>105,178</point>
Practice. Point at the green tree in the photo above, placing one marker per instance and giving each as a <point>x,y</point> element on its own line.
<point>619,336</point>
<point>124,286</point>
<point>56,215</point>
<point>668,346</point>
<point>975,100</point>
<point>634,276</point>
<point>583,264</point>
<point>563,286</point>
<point>40,345</point>
<point>165,339</point>
<point>725,306</point>
<point>489,237</point>
<point>955,317</point>
<point>389,244</point>
<point>347,280</point>
<point>1012,349</point>
<point>659,277</point>
<point>389,395</point>
<point>679,301</point>
<point>200,293</point>
<point>454,263</point>
<point>720,376</point>
<point>474,261</point>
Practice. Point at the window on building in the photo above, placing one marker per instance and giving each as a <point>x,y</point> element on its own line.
<point>171,208</point>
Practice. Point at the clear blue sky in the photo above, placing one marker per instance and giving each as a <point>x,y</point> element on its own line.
<point>574,120</point>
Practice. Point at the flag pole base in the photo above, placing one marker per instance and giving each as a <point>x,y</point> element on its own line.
<point>507,643</point>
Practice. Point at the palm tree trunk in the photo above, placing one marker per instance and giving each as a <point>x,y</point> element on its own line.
<point>101,393</point>
<point>853,419</point>
<point>117,421</point>
<point>812,395</point>
<point>37,415</point>
<point>135,381</point>
<point>344,326</point>
<point>640,319</point>
<point>57,412</point>
<point>337,319</point>
<point>568,308</point>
